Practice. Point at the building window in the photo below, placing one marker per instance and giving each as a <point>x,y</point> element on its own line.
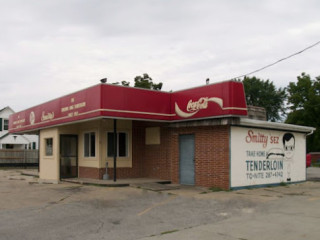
<point>122,144</point>
<point>5,124</point>
<point>31,145</point>
<point>49,146</point>
<point>90,144</point>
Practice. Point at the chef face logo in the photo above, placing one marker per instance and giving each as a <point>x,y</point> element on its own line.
<point>288,145</point>
<point>32,118</point>
<point>195,106</point>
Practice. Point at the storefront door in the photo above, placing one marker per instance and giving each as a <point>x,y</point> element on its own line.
<point>68,156</point>
<point>186,153</point>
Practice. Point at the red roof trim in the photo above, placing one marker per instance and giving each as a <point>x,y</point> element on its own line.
<point>106,100</point>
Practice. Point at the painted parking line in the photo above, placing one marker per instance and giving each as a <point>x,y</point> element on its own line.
<point>156,205</point>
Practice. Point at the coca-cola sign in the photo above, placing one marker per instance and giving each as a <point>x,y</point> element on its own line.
<point>194,107</point>
<point>215,100</point>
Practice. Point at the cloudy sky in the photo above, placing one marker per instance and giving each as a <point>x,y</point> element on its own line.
<point>54,47</point>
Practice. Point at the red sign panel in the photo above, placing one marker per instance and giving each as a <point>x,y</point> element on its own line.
<point>216,100</point>
<point>77,106</point>
<point>135,103</point>
<point>104,100</point>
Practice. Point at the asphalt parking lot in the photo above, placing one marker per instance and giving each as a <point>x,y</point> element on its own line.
<point>29,210</point>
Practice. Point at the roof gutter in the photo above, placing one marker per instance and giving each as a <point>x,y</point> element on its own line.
<point>276,126</point>
<point>310,133</point>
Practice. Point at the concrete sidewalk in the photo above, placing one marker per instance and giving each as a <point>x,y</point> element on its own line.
<point>119,183</point>
<point>313,174</point>
<point>144,183</point>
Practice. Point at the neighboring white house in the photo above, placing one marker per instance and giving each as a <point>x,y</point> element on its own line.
<point>14,141</point>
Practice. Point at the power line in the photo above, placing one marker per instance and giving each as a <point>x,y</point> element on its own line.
<point>282,59</point>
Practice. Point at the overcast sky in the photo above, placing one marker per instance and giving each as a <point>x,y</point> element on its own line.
<point>51,48</point>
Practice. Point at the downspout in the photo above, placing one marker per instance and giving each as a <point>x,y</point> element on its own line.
<point>310,132</point>
<point>306,145</point>
<point>38,152</point>
<point>115,150</point>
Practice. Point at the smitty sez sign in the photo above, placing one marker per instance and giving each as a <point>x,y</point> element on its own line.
<point>261,157</point>
<point>257,137</point>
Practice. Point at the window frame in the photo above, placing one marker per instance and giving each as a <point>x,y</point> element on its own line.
<point>127,144</point>
<point>5,124</point>
<point>90,155</point>
<point>47,152</point>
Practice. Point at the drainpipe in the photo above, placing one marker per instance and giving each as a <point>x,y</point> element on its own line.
<point>115,150</point>
<point>310,132</point>
<point>38,152</point>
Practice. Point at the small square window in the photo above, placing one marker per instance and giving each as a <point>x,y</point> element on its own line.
<point>49,146</point>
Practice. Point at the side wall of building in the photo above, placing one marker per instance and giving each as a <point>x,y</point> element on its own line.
<point>264,157</point>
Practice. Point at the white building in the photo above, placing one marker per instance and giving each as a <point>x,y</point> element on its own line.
<point>14,141</point>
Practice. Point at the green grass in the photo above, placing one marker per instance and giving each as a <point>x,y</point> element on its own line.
<point>215,189</point>
<point>203,192</point>
<point>171,194</point>
<point>218,189</point>
<point>283,184</point>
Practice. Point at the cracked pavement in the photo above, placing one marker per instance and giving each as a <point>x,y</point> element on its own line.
<point>68,211</point>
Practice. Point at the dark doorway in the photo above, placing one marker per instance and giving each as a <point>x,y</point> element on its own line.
<point>68,156</point>
<point>186,159</point>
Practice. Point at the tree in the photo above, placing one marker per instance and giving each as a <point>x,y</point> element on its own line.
<point>264,94</point>
<point>304,105</point>
<point>125,83</point>
<point>145,81</point>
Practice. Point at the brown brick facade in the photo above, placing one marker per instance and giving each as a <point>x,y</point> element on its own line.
<point>88,172</point>
<point>162,161</point>
<point>211,155</point>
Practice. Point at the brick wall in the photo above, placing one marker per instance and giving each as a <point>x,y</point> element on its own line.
<point>97,173</point>
<point>154,160</point>
<point>88,172</point>
<point>211,155</point>
<point>162,161</point>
